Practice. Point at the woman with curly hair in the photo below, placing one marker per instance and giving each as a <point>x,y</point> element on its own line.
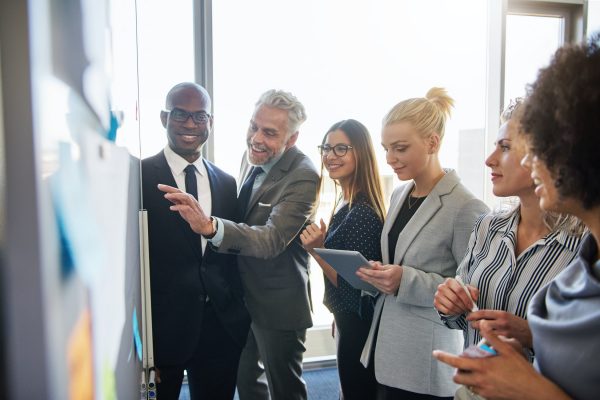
<point>561,123</point>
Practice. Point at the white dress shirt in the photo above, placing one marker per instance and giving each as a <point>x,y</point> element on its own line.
<point>177,165</point>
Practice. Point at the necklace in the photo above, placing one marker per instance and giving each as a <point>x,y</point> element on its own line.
<point>411,205</point>
<point>417,200</point>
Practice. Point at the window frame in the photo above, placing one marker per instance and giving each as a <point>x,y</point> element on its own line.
<point>574,14</point>
<point>573,11</point>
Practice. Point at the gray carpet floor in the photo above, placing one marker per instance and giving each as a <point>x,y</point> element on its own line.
<point>322,384</point>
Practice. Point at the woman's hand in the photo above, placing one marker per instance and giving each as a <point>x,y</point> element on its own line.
<point>386,278</point>
<point>507,375</point>
<point>451,298</point>
<point>503,323</point>
<point>313,236</point>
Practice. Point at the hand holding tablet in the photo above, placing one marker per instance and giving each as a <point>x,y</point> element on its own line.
<point>346,262</point>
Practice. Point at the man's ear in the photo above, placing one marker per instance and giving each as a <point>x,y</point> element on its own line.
<point>163,118</point>
<point>211,122</point>
<point>292,140</point>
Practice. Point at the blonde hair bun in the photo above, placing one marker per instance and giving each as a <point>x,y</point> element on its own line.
<point>427,114</point>
<point>439,96</point>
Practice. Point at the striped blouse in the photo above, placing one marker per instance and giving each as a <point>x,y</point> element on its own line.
<point>507,282</point>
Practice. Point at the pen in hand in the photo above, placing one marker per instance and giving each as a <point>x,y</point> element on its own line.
<point>460,281</point>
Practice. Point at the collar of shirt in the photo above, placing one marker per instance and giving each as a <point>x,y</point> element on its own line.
<point>178,163</point>
<point>508,223</point>
<point>566,239</point>
<point>268,166</point>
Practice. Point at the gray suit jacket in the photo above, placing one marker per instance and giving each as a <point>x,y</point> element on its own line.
<point>273,264</point>
<point>429,248</point>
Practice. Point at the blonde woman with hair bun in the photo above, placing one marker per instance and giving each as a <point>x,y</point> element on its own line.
<point>424,238</point>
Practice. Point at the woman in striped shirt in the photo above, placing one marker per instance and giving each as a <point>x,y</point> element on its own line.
<point>510,254</point>
<point>562,129</point>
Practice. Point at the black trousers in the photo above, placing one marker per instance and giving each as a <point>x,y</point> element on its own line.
<point>357,382</point>
<point>211,369</point>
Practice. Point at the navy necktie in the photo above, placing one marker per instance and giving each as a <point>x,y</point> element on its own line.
<point>191,184</point>
<point>246,190</point>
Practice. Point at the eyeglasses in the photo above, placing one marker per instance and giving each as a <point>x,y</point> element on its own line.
<point>339,150</point>
<point>179,115</point>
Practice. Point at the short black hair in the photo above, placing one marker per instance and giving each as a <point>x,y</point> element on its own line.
<point>561,120</point>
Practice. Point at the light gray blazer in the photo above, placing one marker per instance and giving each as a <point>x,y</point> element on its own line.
<point>273,264</point>
<point>429,248</point>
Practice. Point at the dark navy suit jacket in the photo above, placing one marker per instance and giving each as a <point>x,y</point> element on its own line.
<point>181,277</point>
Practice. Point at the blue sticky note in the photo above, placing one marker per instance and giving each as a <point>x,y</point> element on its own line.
<point>137,340</point>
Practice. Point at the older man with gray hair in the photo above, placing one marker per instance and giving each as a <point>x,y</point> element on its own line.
<point>276,201</point>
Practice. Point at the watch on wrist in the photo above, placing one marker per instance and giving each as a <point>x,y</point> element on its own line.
<point>214,226</point>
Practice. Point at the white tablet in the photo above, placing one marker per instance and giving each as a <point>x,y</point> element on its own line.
<point>346,262</point>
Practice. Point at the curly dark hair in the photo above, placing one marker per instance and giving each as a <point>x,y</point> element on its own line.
<point>561,120</point>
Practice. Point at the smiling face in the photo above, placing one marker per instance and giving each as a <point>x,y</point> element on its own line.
<point>186,138</point>
<point>407,152</point>
<point>544,186</point>
<point>268,135</point>
<point>509,177</point>
<point>341,168</point>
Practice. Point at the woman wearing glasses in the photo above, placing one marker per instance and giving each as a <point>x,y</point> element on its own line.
<point>424,238</point>
<point>348,156</point>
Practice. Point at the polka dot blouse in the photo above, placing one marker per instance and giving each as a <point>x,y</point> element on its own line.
<point>357,228</point>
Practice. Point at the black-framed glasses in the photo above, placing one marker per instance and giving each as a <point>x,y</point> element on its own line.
<point>179,115</point>
<point>339,150</point>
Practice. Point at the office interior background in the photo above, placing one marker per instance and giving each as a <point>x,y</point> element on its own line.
<point>82,85</point>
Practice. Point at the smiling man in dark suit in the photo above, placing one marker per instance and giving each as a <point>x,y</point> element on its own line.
<point>276,202</point>
<point>199,320</point>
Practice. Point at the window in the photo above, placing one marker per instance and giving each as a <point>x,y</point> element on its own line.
<point>347,60</point>
<point>530,42</point>
<point>165,46</point>
<point>522,37</point>
<point>593,17</point>
<point>534,30</point>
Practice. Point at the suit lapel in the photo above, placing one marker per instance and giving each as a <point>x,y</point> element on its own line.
<point>426,211</point>
<point>165,176</point>
<point>214,183</point>
<point>389,222</point>
<point>276,173</point>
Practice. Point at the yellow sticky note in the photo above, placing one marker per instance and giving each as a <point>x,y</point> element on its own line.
<point>80,359</point>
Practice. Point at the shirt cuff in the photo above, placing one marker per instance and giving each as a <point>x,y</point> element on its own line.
<point>218,238</point>
<point>368,293</point>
